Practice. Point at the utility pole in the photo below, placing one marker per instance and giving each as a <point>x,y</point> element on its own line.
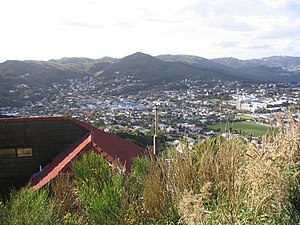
<point>155,137</point>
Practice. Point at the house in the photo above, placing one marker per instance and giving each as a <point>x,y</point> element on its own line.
<point>33,151</point>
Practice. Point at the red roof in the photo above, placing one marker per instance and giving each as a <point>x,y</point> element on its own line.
<point>59,164</point>
<point>111,147</point>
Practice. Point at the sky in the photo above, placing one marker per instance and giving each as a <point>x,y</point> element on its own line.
<point>244,29</point>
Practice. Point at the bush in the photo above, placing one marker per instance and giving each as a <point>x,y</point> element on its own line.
<point>70,209</point>
<point>99,189</point>
<point>2,211</point>
<point>28,207</point>
<point>221,181</point>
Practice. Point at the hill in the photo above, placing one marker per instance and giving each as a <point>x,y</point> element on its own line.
<point>153,70</point>
<point>273,69</point>
<point>34,75</point>
<point>270,69</point>
<point>140,71</point>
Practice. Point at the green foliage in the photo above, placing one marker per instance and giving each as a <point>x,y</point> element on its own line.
<point>68,219</point>
<point>293,210</point>
<point>99,189</point>
<point>28,207</point>
<point>134,136</point>
<point>140,168</point>
<point>220,181</point>
<point>92,172</point>
<point>70,209</point>
<point>210,145</point>
<point>243,117</point>
<point>294,108</point>
<point>2,211</point>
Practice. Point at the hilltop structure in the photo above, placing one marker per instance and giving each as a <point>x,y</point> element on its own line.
<point>35,150</point>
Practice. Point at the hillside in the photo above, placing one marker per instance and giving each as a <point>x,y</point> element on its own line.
<point>143,70</point>
<point>156,71</point>
<point>269,69</point>
<point>272,69</point>
<point>226,72</point>
<point>34,76</point>
<point>285,62</point>
<point>163,68</point>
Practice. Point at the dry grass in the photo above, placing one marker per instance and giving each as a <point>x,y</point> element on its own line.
<point>192,206</point>
<point>248,185</point>
<point>69,206</point>
<point>221,181</point>
<point>227,181</point>
<point>155,196</point>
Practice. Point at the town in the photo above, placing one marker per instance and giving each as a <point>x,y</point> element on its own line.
<point>189,111</point>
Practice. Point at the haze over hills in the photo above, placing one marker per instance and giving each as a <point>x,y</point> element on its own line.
<point>144,69</point>
<point>24,80</point>
<point>256,70</point>
<point>285,62</point>
<point>153,70</point>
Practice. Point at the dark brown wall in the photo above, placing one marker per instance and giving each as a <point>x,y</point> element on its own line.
<point>46,138</point>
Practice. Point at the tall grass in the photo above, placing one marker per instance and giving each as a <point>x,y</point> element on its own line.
<point>221,181</point>
<point>70,208</point>
<point>244,184</point>
<point>227,181</point>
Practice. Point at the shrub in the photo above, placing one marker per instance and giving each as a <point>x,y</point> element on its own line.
<point>99,189</point>
<point>2,211</point>
<point>31,207</point>
<point>221,181</point>
<point>70,209</point>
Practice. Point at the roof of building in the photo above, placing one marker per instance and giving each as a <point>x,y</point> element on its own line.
<point>111,147</point>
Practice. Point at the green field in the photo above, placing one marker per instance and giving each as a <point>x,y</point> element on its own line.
<point>246,127</point>
<point>243,117</point>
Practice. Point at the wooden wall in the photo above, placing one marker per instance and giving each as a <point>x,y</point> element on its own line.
<point>46,138</point>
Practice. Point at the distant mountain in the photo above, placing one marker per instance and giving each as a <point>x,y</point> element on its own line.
<point>233,62</point>
<point>16,76</point>
<point>285,62</point>
<point>72,60</point>
<point>43,73</point>
<point>85,64</point>
<point>154,70</point>
<point>204,64</point>
<point>270,69</point>
<point>144,69</point>
<point>37,72</point>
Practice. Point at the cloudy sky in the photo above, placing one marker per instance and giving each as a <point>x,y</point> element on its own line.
<point>52,29</point>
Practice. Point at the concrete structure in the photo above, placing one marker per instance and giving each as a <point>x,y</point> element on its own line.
<point>255,106</point>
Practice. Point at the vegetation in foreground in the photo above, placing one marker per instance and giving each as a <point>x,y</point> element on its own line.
<point>221,181</point>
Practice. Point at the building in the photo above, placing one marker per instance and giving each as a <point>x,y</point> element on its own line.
<point>33,151</point>
<point>255,106</point>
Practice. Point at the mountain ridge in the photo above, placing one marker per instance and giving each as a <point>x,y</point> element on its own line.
<point>142,71</point>
<point>149,69</point>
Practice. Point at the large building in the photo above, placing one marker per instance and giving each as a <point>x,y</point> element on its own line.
<point>33,151</point>
<point>256,105</point>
